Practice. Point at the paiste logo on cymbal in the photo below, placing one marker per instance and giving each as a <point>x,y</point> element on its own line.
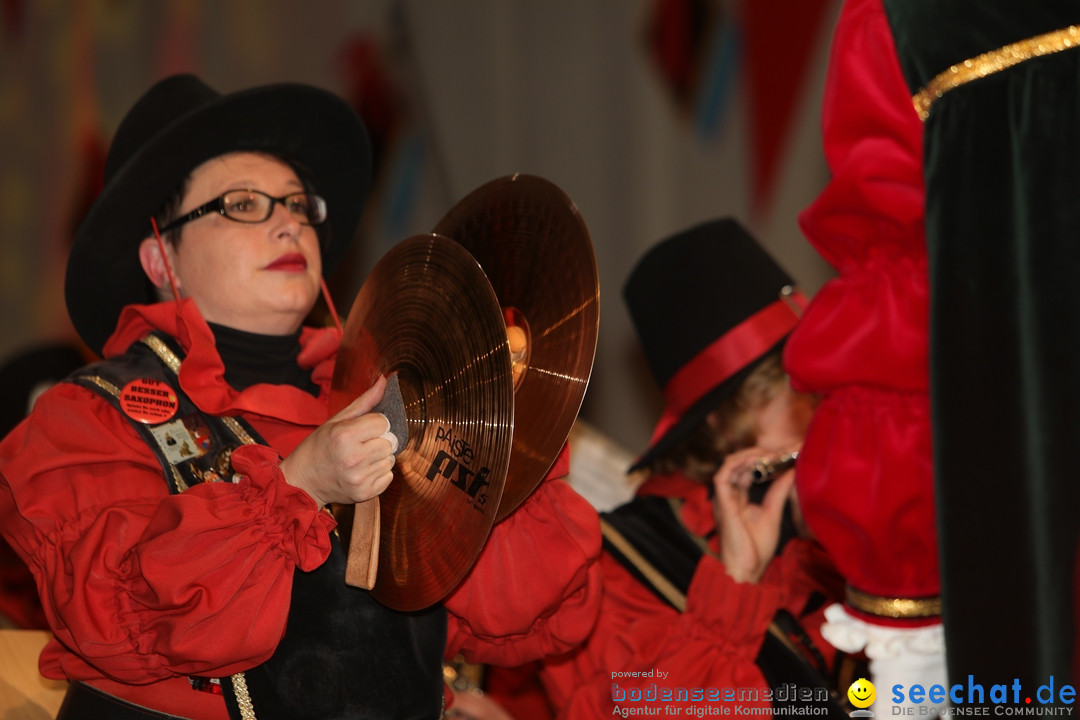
<point>454,465</point>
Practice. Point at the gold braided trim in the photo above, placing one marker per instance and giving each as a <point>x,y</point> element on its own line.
<point>162,351</point>
<point>180,484</point>
<point>237,429</point>
<point>104,385</point>
<point>243,698</point>
<point>239,681</point>
<point>893,607</point>
<point>168,357</point>
<point>994,61</point>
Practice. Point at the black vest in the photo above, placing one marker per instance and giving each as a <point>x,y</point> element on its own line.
<point>344,655</point>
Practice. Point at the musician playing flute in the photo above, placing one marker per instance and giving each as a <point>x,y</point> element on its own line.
<point>713,592</point>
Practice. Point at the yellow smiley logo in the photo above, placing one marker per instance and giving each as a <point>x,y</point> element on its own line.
<point>862,693</point>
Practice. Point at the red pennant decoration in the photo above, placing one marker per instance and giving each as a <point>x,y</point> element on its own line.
<point>779,37</point>
<point>678,37</point>
<point>91,170</point>
<point>14,14</point>
<point>372,92</point>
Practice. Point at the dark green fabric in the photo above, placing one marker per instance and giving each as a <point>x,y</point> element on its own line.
<point>1002,172</point>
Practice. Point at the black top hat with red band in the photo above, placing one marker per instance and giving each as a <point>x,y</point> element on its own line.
<point>178,124</point>
<point>708,305</point>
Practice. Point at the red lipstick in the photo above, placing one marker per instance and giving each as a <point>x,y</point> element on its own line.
<point>289,262</point>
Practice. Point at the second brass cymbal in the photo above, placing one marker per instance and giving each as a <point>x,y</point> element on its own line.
<point>428,313</point>
<point>535,249</point>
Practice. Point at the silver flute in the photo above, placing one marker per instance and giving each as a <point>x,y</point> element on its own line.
<point>765,469</point>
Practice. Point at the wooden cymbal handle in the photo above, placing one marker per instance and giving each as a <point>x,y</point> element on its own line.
<point>365,526</point>
<point>363,563</point>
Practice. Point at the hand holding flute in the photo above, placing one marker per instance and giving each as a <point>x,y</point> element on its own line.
<point>750,532</point>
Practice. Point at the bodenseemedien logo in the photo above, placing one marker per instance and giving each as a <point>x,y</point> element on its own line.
<point>862,694</point>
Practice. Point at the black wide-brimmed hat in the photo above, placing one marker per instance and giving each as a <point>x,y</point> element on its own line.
<point>708,305</point>
<point>177,125</point>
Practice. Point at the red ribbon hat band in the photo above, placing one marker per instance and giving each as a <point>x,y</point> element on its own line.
<point>729,354</point>
<point>708,303</point>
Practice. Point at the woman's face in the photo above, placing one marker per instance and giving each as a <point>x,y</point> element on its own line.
<point>257,277</point>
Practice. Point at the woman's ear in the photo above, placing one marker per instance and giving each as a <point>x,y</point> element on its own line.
<point>155,265</point>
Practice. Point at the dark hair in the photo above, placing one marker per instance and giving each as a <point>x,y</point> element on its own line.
<point>727,428</point>
<point>170,208</point>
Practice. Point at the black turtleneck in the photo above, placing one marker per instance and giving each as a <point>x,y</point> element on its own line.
<point>250,359</point>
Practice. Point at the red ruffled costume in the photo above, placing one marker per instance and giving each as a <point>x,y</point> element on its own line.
<point>143,588</point>
<point>865,478</point>
<point>713,644</point>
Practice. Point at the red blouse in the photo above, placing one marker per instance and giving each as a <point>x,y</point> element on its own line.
<point>641,641</point>
<point>142,588</point>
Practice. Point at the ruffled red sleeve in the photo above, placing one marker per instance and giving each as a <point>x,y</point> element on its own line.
<point>865,474</point>
<point>535,589</point>
<point>640,642</point>
<point>144,585</point>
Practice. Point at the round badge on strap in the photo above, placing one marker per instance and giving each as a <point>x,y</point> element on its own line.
<point>148,401</point>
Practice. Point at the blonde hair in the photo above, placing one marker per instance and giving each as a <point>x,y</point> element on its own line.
<point>728,428</point>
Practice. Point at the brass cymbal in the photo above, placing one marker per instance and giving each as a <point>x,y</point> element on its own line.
<point>534,247</point>
<point>428,313</point>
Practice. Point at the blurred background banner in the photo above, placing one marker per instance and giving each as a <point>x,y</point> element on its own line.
<point>652,115</point>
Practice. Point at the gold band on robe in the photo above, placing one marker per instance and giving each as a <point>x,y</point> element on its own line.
<point>893,607</point>
<point>994,61</point>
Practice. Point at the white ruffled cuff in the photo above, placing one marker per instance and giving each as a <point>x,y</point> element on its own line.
<point>898,656</point>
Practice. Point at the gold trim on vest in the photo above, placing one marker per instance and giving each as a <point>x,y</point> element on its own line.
<point>893,607</point>
<point>992,62</point>
<point>169,358</point>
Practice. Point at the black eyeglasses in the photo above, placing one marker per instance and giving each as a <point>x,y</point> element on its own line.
<point>253,206</point>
